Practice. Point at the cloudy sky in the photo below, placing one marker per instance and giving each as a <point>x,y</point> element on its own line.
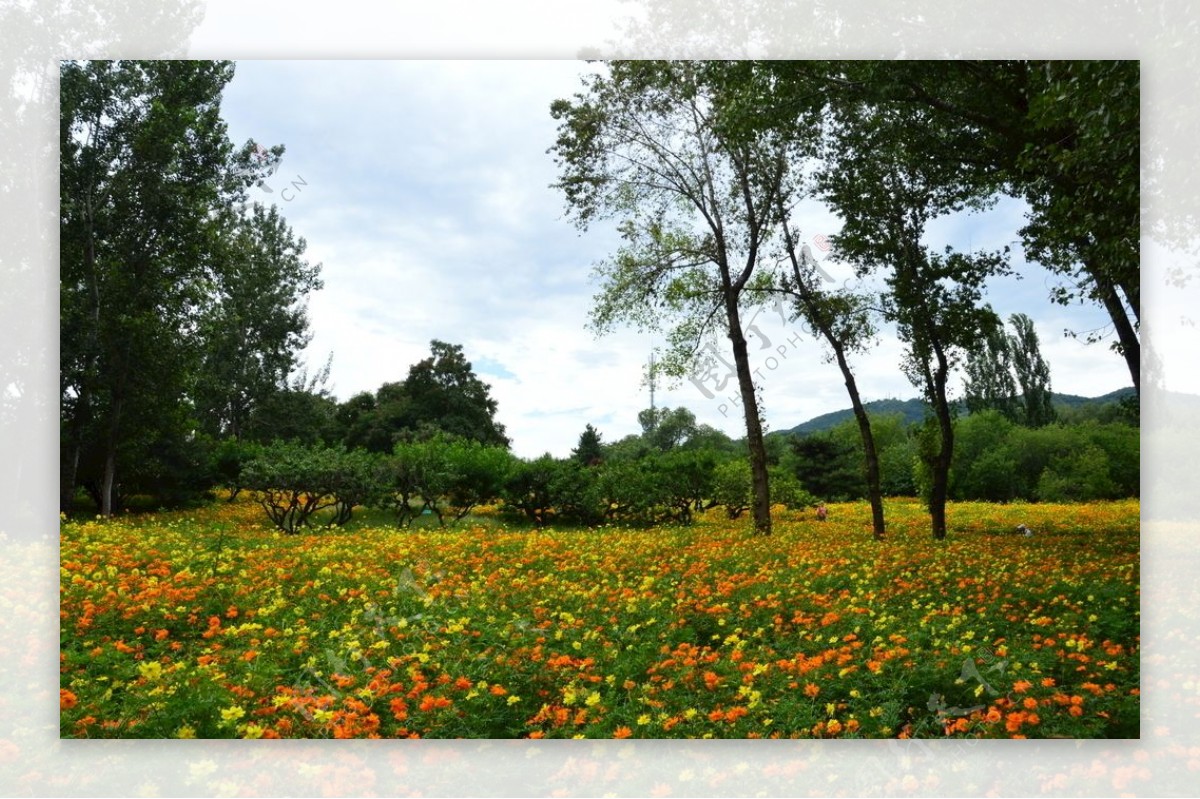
<point>423,188</point>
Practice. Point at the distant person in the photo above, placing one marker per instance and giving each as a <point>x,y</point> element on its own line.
<point>822,512</point>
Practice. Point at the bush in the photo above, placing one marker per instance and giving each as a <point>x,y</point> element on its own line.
<point>626,491</point>
<point>1079,477</point>
<point>733,487</point>
<point>294,481</point>
<point>787,491</point>
<point>527,488</point>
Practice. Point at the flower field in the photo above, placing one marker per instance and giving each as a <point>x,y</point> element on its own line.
<point>209,624</point>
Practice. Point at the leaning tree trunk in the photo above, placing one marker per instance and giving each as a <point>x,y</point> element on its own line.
<point>761,501</point>
<point>870,454</point>
<point>1130,347</point>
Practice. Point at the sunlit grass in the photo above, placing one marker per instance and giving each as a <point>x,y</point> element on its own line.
<point>207,623</point>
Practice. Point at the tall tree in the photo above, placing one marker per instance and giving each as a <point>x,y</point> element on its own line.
<point>1062,135</point>
<point>887,191</point>
<point>255,326</point>
<point>444,392</point>
<point>663,148</point>
<point>842,319</point>
<point>1032,371</point>
<point>146,167</point>
<point>989,383</point>
<point>667,428</point>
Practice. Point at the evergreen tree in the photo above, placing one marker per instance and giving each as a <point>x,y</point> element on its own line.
<point>590,451</point>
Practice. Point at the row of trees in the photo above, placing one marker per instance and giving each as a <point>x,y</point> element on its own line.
<point>182,309</point>
<point>675,468</point>
<point>702,163</point>
<point>184,306</point>
<point>447,477</point>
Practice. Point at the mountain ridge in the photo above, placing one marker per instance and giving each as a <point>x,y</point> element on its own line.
<point>913,410</point>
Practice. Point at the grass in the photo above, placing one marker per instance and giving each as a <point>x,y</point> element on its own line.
<point>206,623</point>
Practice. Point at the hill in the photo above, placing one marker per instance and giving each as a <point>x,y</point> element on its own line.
<point>913,410</point>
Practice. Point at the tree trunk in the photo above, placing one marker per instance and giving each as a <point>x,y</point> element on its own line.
<point>761,500</point>
<point>68,471</point>
<point>820,322</point>
<point>110,458</point>
<point>1130,347</point>
<point>939,490</point>
<point>870,454</point>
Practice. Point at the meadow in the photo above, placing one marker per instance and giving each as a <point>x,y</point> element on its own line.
<point>208,623</point>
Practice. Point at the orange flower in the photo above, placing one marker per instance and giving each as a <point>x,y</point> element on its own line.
<point>1021,686</point>
<point>66,699</point>
<point>811,689</point>
<point>622,732</point>
<point>431,702</point>
<point>497,690</point>
<point>1030,703</point>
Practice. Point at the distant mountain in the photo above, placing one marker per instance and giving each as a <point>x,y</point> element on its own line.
<point>913,410</point>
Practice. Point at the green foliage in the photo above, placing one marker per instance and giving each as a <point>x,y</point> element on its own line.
<point>292,482</point>
<point>1078,477</point>
<point>989,383</point>
<point>590,450</point>
<point>441,475</point>
<point>229,458</point>
<point>669,150</point>
<point>528,488</point>
<point>667,428</point>
<point>1032,372</point>
<point>574,493</point>
<point>440,395</point>
<point>180,311</point>
<point>998,461</point>
<point>786,490</point>
<point>829,465</point>
<point>683,480</point>
<point>257,322</point>
<point>732,487</point>
<point>443,391</point>
<point>627,491</point>
<point>477,473</point>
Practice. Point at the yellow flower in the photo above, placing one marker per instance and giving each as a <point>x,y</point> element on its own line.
<point>232,713</point>
<point>151,671</point>
<point>593,699</point>
<point>186,731</point>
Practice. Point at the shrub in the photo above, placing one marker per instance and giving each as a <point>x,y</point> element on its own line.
<point>293,481</point>
<point>732,487</point>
